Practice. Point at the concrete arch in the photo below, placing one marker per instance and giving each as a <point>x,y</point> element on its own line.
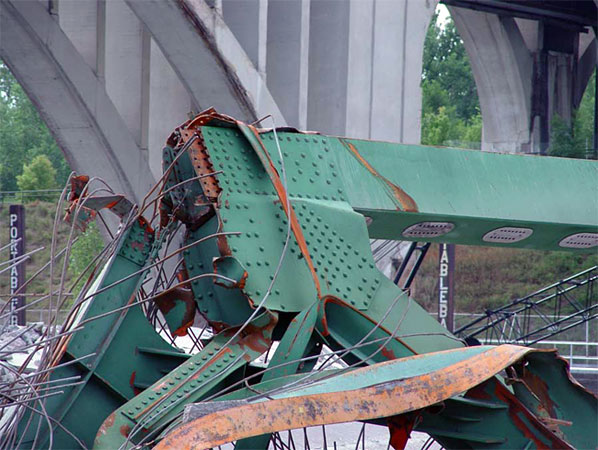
<point>502,67</point>
<point>200,47</point>
<point>70,99</point>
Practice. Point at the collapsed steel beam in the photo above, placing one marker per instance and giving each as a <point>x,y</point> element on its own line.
<point>276,248</point>
<point>383,390</point>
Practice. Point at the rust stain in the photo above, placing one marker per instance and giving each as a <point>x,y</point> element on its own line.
<point>539,387</point>
<point>108,423</point>
<point>400,428</point>
<point>388,353</point>
<point>202,164</point>
<point>287,208</point>
<point>78,183</point>
<point>243,281</point>
<point>132,378</point>
<point>125,430</point>
<point>406,202</point>
<point>239,284</point>
<point>517,411</point>
<point>386,400</point>
<point>253,337</point>
<point>167,300</point>
<point>532,427</point>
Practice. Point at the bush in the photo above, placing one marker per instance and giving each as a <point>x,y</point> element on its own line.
<point>87,247</point>
<point>39,174</point>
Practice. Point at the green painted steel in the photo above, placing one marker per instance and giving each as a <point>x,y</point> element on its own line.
<point>486,416</point>
<point>293,347</point>
<point>111,364</point>
<point>193,380</point>
<point>290,233</point>
<point>477,191</point>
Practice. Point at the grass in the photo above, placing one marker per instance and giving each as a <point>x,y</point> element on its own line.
<point>39,221</point>
<point>488,277</point>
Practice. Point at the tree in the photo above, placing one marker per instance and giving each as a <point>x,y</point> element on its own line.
<point>575,140</point>
<point>23,135</point>
<point>450,107</point>
<point>39,174</point>
<point>84,250</point>
<point>440,127</point>
<point>446,72</point>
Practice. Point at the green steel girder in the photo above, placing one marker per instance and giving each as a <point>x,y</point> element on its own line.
<point>399,185</point>
<point>289,232</point>
<point>195,378</point>
<point>113,363</point>
<point>488,415</point>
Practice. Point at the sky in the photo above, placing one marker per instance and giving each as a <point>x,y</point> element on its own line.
<point>443,13</point>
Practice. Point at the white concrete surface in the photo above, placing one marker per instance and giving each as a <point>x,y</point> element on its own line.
<point>70,97</point>
<point>112,78</point>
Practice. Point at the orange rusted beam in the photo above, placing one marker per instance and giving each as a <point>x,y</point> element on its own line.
<point>374,401</point>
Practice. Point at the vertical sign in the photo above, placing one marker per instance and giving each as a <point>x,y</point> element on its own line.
<point>16,228</point>
<point>446,286</point>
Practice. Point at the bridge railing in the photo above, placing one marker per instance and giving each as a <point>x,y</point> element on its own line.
<point>582,356</point>
<point>29,196</point>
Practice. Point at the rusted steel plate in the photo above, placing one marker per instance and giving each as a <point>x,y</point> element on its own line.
<point>378,399</point>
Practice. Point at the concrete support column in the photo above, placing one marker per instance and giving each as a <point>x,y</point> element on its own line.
<point>248,20</point>
<point>588,59</point>
<point>70,98</point>
<point>78,20</point>
<point>287,58</point>
<point>206,56</point>
<point>360,69</point>
<point>399,37</point>
<point>169,106</point>
<point>365,77</point>
<point>123,63</point>
<point>554,81</point>
<point>328,66</point>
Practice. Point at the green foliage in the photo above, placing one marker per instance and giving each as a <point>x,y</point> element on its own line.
<point>575,140</point>
<point>450,107</point>
<point>446,69</point>
<point>23,135</point>
<point>39,174</point>
<point>440,127</point>
<point>87,247</point>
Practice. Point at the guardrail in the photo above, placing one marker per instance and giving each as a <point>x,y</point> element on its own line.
<point>26,196</point>
<point>582,332</point>
<point>582,356</point>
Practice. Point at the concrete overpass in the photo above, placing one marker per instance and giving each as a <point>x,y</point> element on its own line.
<point>112,78</point>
